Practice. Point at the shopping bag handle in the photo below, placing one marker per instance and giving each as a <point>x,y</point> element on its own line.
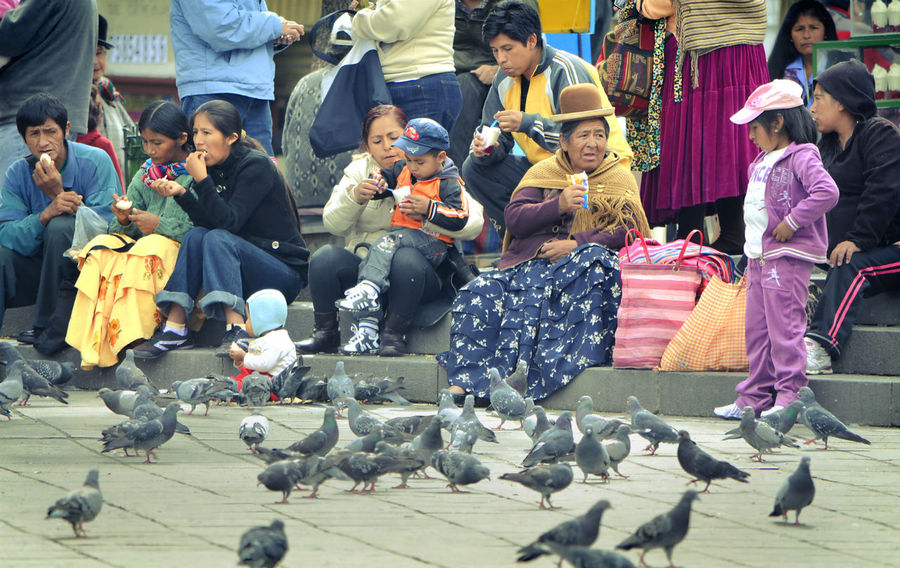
<point>638,236</point>
<point>687,241</point>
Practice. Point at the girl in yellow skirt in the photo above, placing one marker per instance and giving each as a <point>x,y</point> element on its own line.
<point>122,271</point>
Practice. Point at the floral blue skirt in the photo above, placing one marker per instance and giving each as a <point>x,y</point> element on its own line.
<point>558,318</point>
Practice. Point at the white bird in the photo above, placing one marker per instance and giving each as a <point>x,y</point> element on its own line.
<point>254,429</point>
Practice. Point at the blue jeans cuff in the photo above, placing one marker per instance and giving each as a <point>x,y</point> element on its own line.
<point>214,304</point>
<point>166,298</point>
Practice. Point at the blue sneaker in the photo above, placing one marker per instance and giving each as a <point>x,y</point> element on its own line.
<point>162,342</point>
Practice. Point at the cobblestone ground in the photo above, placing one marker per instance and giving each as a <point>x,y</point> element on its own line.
<point>191,508</point>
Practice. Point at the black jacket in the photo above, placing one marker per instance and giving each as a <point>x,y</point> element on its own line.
<point>245,195</point>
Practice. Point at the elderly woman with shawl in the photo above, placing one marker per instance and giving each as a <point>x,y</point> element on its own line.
<point>552,304</point>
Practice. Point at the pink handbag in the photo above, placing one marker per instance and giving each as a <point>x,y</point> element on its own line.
<point>656,300</point>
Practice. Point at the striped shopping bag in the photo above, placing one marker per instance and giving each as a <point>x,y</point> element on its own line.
<point>656,301</point>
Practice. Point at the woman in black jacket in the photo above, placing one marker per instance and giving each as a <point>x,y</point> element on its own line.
<point>246,234</point>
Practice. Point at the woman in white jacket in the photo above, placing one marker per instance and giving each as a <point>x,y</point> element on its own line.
<point>418,294</point>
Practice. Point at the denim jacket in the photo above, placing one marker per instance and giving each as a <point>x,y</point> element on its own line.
<point>800,192</point>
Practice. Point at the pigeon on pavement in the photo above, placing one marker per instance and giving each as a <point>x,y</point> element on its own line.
<point>795,493</point>
<point>282,476</point>
<point>360,421</point>
<point>518,380</point>
<point>120,402</point>
<point>459,469</point>
<point>762,437</point>
<point>11,391</point>
<point>378,390</point>
<point>253,430</point>
<point>128,375</point>
<point>256,389</point>
<point>468,416</point>
<point>553,444</point>
<point>784,419</point>
<point>583,557</point>
<point>650,426</point>
<point>591,456</point>
<point>34,383</point>
<point>289,383</point>
<point>202,391</point>
<point>315,470</point>
<point>545,479</point>
<point>81,505</point>
<point>506,401</point>
<point>145,408</point>
<point>412,425</point>
<point>55,372</point>
<point>663,531</point>
<point>447,410</point>
<point>580,531</point>
<point>703,466</point>
<point>321,441</point>
<point>537,423</point>
<point>339,387</point>
<point>367,443</point>
<point>263,546</point>
<point>150,435</point>
<point>619,448</point>
<point>464,440</point>
<point>822,422</point>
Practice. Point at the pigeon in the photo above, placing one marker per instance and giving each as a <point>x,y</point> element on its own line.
<point>360,421</point>
<point>253,430</point>
<point>448,412</point>
<point>506,401</point>
<point>762,437</point>
<point>784,419</point>
<point>367,468</point>
<point>148,436</point>
<point>795,493</point>
<point>820,421</point>
<point>663,531</point>
<point>459,469</point>
<point>619,448</point>
<point>703,466</point>
<point>282,476</point>
<point>120,402</point>
<point>545,479</point>
<point>128,375</point>
<point>553,444</point>
<point>340,387</point>
<point>145,408</point>
<point>518,380</point>
<point>468,416</point>
<point>367,443</point>
<point>11,391</point>
<point>653,428</point>
<point>426,444</point>
<point>591,456</point>
<point>580,531</point>
<point>263,546</point>
<point>34,383</point>
<point>79,506</point>
<point>412,425</point>
<point>116,437</point>
<point>537,423</point>
<point>584,416</point>
<point>202,391</point>
<point>289,383</point>
<point>315,470</point>
<point>464,440</point>
<point>321,441</point>
<point>584,557</point>
<point>378,390</point>
<point>256,389</point>
<point>584,407</point>
<point>56,373</point>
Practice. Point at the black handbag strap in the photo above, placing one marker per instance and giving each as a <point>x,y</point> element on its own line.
<point>311,36</point>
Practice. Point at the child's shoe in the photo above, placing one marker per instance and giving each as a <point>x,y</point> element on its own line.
<point>728,412</point>
<point>361,298</point>
<point>363,342</point>
<point>818,361</point>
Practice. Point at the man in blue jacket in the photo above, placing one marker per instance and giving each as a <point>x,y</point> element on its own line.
<point>223,50</point>
<point>39,198</point>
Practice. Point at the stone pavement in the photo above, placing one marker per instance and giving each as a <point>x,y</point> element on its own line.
<point>191,508</point>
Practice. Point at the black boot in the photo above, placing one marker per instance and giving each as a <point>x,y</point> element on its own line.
<point>326,336</point>
<point>393,337</point>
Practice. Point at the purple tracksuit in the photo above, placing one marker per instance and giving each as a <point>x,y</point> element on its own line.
<point>800,192</point>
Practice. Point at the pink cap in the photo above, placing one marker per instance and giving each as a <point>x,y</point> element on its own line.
<point>779,94</point>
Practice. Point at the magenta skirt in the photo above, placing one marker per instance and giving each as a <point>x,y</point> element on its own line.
<point>703,155</point>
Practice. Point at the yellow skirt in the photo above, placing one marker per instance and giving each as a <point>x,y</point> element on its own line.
<point>116,298</point>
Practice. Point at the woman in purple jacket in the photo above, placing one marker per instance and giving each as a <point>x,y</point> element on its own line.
<point>788,195</point>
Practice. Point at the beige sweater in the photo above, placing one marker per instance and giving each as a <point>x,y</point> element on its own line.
<point>414,37</point>
<point>365,222</point>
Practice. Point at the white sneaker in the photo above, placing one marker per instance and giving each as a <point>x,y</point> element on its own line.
<point>361,298</point>
<point>818,361</point>
<point>772,410</point>
<point>362,343</point>
<point>728,412</point>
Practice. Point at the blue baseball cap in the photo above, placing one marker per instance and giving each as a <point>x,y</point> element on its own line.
<point>421,136</point>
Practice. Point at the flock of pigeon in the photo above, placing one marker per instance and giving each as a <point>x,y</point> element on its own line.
<point>409,445</point>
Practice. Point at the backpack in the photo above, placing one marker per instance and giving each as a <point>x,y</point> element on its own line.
<point>626,66</point>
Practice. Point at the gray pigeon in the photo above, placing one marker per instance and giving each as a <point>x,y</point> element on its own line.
<point>762,437</point>
<point>663,531</point>
<point>367,468</point>
<point>412,425</point>
<point>545,479</point>
<point>253,430</point>
<point>703,466</point>
<point>652,427</point>
<point>202,391</point>
<point>784,419</point>
<point>150,435</point>
<point>468,416</point>
<point>79,506</point>
<point>518,379</point>
<point>591,456</point>
<point>34,383</point>
<point>795,493</point>
<point>464,440</point>
<point>321,441</point>
<point>459,469</point>
<point>339,387</point>
<point>291,382</point>
<point>145,408</point>
<point>55,372</point>
<point>506,401</point>
<point>120,402</point>
<point>619,448</point>
<point>128,375</point>
<point>537,423</point>
<point>282,476</point>
<point>360,421</point>
<point>11,391</point>
<point>822,422</point>
<point>448,412</point>
<point>116,437</point>
<point>580,531</point>
<point>256,389</point>
<point>426,444</point>
<point>367,443</point>
<point>379,390</point>
<point>584,557</point>
<point>315,470</point>
<point>263,546</point>
<point>554,444</point>
<point>584,416</point>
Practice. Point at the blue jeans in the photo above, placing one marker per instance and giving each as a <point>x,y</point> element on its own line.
<point>255,114</point>
<point>434,96</point>
<point>228,269</point>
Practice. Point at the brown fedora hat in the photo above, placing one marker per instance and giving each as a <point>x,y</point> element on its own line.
<point>580,102</point>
